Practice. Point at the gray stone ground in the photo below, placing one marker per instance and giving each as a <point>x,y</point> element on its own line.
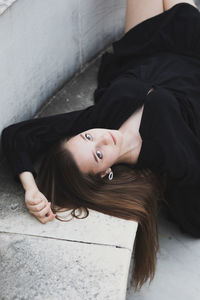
<point>4,4</point>
<point>178,274</point>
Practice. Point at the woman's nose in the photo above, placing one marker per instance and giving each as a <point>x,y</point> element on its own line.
<point>104,139</point>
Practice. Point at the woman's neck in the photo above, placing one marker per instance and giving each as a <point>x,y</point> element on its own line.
<point>132,140</point>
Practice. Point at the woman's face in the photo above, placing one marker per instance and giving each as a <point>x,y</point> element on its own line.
<point>96,150</point>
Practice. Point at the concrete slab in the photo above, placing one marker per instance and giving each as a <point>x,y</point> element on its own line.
<point>39,52</point>
<point>40,268</point>
<point>75,94</point>
<point>177,275</point>
<point>4,4</point>
<point>97,18</point>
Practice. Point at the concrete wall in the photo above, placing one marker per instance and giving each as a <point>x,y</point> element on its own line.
<point>43,43</point>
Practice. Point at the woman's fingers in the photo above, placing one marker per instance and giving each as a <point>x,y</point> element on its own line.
<point>38,207</point>
<point>41,213</point>
<point>50,212</point>
<point>47,219</point>
<point>49,216</point>
<point>34,201</point>
<point>43,210</point>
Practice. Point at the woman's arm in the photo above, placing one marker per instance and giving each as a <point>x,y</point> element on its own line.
<point>36,202</point>
<point>28,181</point>
<point>23,142</point>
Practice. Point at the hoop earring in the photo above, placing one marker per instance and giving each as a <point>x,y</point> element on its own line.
<point>110,175</point>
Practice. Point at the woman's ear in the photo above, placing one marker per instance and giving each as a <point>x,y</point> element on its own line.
<point>104,173</point>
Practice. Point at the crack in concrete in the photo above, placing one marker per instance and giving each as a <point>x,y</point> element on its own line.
<point>66,240</point>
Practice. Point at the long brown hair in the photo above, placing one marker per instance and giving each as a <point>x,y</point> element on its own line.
<point>132,195</point>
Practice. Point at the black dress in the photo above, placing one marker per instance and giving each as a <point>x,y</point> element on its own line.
<point>162,52</point>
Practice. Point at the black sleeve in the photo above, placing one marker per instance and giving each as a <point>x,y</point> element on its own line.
<point>108,70</point>
<point>23,142</point>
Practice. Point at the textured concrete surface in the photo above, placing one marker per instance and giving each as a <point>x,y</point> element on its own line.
<point>38,268</point>
<point>178,274</point>
<point>44,43</point>
<point>4,4</point>
<point>81,259</point>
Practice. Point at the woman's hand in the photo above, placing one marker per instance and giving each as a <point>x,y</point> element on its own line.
<point>38,205</point>
<point>36,202</point>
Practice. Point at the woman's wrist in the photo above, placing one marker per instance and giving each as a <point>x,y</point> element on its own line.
<point>28,181</point>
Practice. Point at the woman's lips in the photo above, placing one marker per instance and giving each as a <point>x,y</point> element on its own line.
<point>114,139</point>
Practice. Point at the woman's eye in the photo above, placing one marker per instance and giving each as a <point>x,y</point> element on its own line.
<point>88,136</point>
<point>99,154</point>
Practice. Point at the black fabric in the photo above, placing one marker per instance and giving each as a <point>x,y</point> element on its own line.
<point>154,41</point>
<point>24,141</point>
<point>162,52</point>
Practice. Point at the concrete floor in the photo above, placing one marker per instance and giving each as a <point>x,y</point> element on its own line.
<point>178,274</point>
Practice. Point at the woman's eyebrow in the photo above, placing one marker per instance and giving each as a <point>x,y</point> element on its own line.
<point>92,152</point>
<point>82,136</point>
